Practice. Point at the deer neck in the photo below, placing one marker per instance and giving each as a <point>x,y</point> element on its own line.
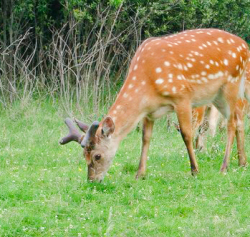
<point>126,112</point>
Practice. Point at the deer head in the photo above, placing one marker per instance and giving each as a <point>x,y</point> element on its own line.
<point>98,144</point>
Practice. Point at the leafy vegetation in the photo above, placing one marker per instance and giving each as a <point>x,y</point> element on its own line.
<point>76,48</point>
<point>44,191</point>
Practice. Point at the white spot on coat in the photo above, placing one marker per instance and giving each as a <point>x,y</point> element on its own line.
<point>130,86</point>
<point>158,70</point>
<point>220,40</point>
<point>180,66</point>
<point>174,89</point>
<point>159,81</point>
<point>166,63</point>
<point>211,76</point>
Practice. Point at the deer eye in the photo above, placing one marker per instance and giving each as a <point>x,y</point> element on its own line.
<point>97,157</point>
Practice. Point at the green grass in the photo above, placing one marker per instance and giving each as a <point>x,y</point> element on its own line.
<point>44,192</point>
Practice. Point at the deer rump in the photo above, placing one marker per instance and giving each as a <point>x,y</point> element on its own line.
<point>207,117</point>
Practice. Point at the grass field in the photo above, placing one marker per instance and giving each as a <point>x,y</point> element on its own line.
<point>44,192</point>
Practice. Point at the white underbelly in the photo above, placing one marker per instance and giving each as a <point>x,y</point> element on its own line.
<point>161,112</point>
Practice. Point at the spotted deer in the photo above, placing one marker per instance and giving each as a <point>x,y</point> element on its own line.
<point>169,73</point>
<point>242,107</point>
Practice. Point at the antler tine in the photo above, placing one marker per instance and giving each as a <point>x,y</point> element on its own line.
<point>84,127</point>
<point>90,134</point>
<point>74,134</point>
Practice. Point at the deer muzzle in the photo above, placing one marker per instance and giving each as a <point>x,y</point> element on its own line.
<point>93,176</point>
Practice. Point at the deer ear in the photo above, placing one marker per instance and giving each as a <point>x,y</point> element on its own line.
<point>108,126</point>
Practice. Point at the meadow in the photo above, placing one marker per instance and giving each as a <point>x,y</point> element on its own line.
<point>44,190</point>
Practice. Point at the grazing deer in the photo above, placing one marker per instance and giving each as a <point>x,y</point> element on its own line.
<point>171,73</point>
<point>242,107</point>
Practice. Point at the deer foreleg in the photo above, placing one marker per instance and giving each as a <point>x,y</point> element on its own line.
<point>146,135</point>
<point>184,114</point>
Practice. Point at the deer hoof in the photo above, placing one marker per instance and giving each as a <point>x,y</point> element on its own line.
<point>140,175</point>
<point>223,170</point>
<point>243,164</point>
<point>194,172</point>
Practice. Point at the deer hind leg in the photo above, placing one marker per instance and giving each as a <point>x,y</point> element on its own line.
<point>184,115</point>
<point>198,115</point>
<point>146,135</point>
<point>213,120</point>
<point>231,129</point>
<point>226,103</point>
<point>239,114</point>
